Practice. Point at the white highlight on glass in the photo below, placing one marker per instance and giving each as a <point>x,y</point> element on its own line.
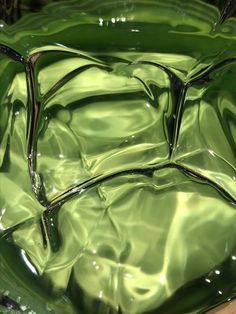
<point>100,21</point>
<point>27,262</point>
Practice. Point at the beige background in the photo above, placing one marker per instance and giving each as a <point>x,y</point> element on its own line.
<point>229,308</point>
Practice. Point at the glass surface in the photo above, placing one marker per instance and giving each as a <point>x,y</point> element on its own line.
<point>117,156</point>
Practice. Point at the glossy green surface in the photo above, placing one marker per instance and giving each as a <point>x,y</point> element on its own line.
<point>117,158</point>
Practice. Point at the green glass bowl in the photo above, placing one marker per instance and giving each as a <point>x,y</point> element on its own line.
<point>117,156</point>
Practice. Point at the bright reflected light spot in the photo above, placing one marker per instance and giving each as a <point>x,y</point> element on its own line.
<point>2,212</point>
<point>54,190</point>
<point>123,19</point>
<point>233,257</point>
<point>220,292</point>
<point>211,152</point>
<point>100,294</point>
<point>207,280</point>
<point>74,190</point>
<point>60,45</point>
<point>100,21</point>
<point>217,272</point>
<point>97,267</point>
<point>23,307</point>
<point>128,275</point>
<point>162,279</point>
<point>135,30</point>
<point>27,262</point>
<point>113,20</point>
<point>61,156</point>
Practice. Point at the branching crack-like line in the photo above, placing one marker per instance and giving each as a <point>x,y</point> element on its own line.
<point>203,74</point>
<point>77,190</point>
<point>34,113</point>
<point>179,95</point>
<point>70,76</point>
<point>34,117</point>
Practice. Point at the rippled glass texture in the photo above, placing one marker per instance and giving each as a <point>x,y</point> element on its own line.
<point>117,156</point>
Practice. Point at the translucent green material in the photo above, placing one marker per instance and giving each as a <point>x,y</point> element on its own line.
<point>117,158</point>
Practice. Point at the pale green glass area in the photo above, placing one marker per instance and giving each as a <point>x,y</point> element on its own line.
<point>209,120</point>
<point>122,239</point>
<point>100,118</point>
<point>18,202</point>
<point>117,158</point>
